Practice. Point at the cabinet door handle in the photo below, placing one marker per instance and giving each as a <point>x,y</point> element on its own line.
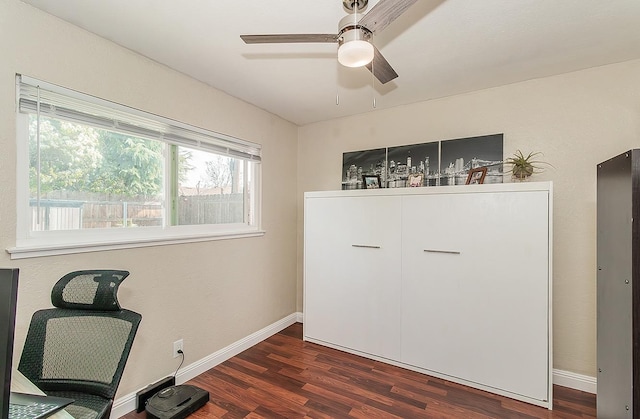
<point>451,252</point>
<point>365,246</point>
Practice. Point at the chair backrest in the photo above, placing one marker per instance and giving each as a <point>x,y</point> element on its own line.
<point>82,344</point>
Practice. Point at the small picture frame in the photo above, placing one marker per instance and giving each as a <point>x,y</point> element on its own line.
<point>415,180</point>
<point>371,181</point>
<point>476,176</point>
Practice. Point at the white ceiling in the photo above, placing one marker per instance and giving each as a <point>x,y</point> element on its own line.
<point>438,47</point>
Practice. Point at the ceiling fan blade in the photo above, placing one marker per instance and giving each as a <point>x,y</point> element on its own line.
<point>383,13</point>
<point>289,38</point>
<point>381,68</point>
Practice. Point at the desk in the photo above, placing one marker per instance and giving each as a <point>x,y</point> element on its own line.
<point>20,384</point>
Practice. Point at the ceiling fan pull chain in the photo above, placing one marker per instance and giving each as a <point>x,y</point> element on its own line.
<point>373,85</point>
<point>373,78</point>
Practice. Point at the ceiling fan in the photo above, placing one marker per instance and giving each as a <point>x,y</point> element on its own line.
<point>354,36</point>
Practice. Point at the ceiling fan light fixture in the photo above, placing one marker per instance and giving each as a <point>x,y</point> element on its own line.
<point>355,53</point>
<point>354,46</point>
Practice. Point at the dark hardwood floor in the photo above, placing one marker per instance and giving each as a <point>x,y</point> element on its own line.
<point>284,377</point>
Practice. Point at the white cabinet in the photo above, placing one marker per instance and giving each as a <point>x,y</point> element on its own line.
<point>475,289</point>
<point>450,281</point>
<point>352,260</point>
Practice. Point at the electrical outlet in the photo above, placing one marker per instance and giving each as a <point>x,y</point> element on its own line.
<point>177,346</point>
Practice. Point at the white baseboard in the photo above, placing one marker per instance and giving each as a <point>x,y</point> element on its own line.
<point>127,403</point>
<point>575,381</point>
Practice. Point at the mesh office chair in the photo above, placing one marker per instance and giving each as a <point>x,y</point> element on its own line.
<point>79,349</point>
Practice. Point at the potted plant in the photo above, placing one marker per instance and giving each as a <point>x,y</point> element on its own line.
<point>522,167</point>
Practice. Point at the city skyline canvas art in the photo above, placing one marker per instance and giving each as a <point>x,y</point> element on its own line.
<point>355,164</point>
<point>436,163</point>
<point>407,160</point>
<point>460,155</point>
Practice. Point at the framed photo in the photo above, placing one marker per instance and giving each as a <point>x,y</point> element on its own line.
<point>371,181</point>
<point>476,176</point>
<point>415,180</point>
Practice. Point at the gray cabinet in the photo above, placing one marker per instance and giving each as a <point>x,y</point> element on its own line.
<point>618,289</point>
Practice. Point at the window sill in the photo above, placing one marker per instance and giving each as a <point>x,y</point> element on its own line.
<point>34,251</point>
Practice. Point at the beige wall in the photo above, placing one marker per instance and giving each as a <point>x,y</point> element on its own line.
<point>209,294</point>
<point>577,120</point>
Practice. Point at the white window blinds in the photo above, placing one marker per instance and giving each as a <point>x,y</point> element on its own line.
<point>57,102</point>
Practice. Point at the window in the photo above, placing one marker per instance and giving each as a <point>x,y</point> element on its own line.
<point>95,173</point>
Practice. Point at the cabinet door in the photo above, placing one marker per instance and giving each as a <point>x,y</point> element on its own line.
<point>475,288</point>
<point>352,278</point>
